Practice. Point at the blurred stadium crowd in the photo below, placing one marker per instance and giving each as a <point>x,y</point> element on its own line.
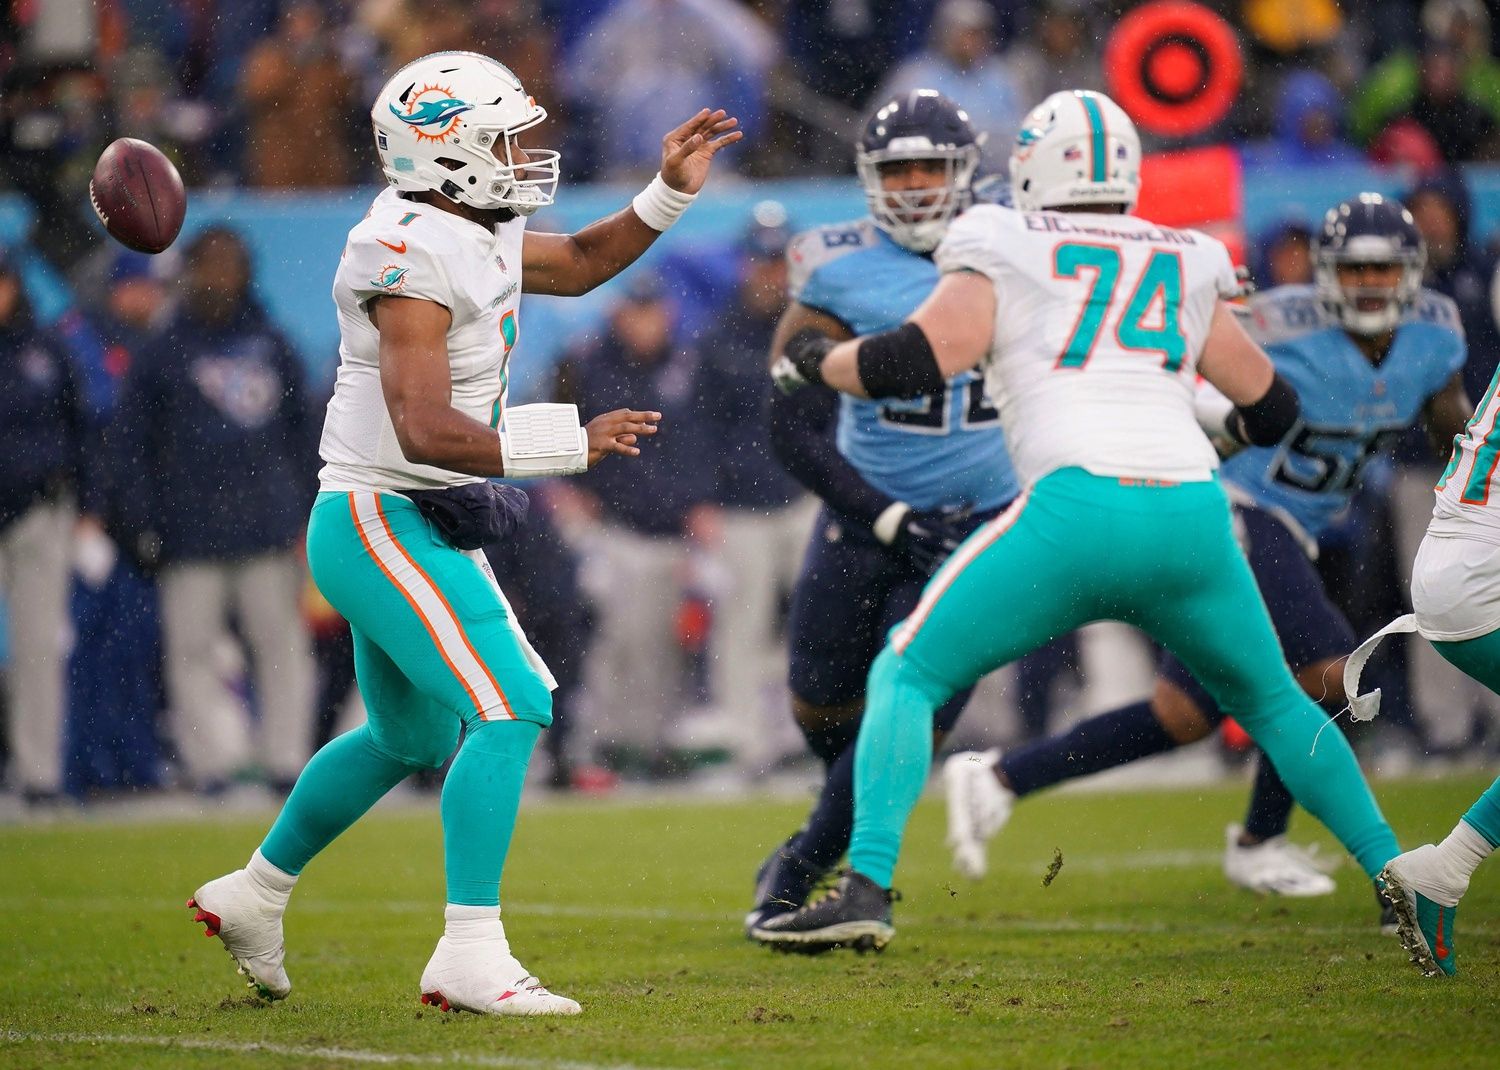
<point>161,437</point>
<point>271,94</point>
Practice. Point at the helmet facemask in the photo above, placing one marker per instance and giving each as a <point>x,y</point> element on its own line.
<point>524,186</point>
<point>917,219</point>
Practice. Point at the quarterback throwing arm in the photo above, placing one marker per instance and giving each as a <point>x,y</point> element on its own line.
<point>414,325</point>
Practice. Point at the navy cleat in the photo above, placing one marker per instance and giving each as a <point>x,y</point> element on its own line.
<point>782,884</point>
<point>856,913</point>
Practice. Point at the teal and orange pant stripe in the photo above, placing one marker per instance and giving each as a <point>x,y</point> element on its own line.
<point>433,637</point>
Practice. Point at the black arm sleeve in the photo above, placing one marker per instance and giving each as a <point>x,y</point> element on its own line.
<point>1266,422</point>
<point>802,439</point>
<point>899,363</point>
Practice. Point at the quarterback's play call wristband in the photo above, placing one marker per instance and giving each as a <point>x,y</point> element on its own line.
<point>543,439</point>
<point>1174,67</point>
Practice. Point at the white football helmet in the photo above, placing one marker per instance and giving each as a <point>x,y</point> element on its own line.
<point>438,123</point>
<point>1076,147</point>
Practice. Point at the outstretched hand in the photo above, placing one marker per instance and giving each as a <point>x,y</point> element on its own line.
<point>618,432</point>
<point>688,151</point>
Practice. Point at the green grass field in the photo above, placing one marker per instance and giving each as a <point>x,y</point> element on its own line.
<point>1138,954</point>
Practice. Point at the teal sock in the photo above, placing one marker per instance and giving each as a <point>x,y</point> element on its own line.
<point>1484,816</point>
<point>891,761</point>
<point>480,799</point>
<point>1325,779</point>
<point>345,778</point>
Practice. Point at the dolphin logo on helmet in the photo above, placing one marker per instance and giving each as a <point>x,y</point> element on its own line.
<point>432,112</point>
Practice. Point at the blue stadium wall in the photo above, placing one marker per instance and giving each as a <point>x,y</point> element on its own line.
<point>296,240</point>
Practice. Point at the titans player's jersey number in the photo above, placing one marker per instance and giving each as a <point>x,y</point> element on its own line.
<point>1328,460</point>
<point>931,415</point>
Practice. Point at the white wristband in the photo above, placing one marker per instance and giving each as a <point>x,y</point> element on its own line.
<point>543,440</point>
<point>888,524</point>
<point>659,205</point>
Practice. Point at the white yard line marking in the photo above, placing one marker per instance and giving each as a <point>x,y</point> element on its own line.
<point>340,1055</point>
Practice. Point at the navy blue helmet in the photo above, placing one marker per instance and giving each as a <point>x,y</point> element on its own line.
<point>919,125</point>
<point>1368,229</point>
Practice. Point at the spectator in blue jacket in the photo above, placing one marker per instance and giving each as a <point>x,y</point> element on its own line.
<point>46,442</point>
<point>641,528</point>
<point>1309,126</point>
<point>115,670</point>
<point>216,452</point>
<point>765,516</point>
<point>647,58</point>
<point>961,62</point>
<point>1458,267</point>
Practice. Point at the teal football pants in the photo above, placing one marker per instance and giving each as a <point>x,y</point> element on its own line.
<point>435,651</point>
<point>1480,658</point>
<point>1078,548</point>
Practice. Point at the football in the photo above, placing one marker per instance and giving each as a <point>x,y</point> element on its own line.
<point>138,195</point>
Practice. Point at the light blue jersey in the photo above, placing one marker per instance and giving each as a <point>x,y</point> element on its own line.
<point>930,452</point>
<point>1350,408</point>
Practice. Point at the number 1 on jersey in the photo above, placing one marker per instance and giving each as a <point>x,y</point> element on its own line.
<point>1158,288</point>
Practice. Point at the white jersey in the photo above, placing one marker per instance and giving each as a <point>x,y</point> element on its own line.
<point>1468,499</point>
<point>1099,324</point>
<point>408,249</point>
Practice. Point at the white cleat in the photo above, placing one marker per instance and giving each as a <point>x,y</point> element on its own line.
<point>1275,867</point>
<point>482,976</point>
<point>233,909</point>
<point>978,808</point>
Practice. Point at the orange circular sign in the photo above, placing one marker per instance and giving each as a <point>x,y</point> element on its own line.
<point>1175,67</point>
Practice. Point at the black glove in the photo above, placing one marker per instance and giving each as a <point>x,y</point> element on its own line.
<point>929,536</point>
<point>800,362</point>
